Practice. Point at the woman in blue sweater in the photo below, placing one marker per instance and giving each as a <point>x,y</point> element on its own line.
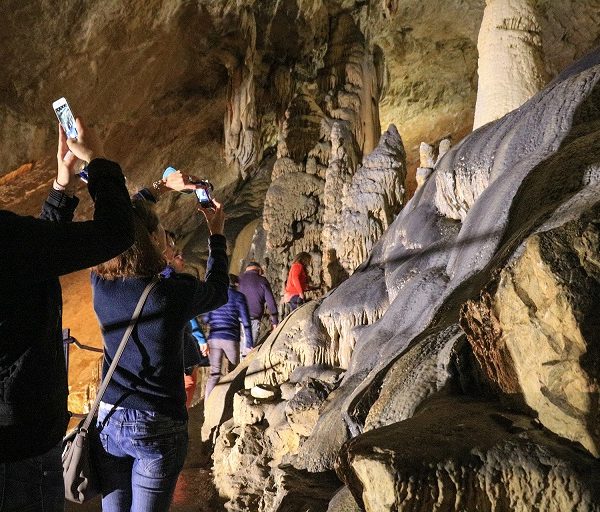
<point>142,419</point>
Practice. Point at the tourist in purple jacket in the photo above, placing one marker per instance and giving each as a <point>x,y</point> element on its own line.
<point>224,336</point>
<point>257,291</point>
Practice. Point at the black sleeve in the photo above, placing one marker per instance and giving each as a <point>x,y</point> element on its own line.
<point>59,207</point>
<point>38,249</point>
<point>144,195</point>
<point>212,293</point>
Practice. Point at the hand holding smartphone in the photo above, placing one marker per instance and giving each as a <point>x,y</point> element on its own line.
<point>202,188</point>
<point>69,125</point>
<point>204,197</point>
<point>215,217</point>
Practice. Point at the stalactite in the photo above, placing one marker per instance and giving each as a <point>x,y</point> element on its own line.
<point>341,326</point>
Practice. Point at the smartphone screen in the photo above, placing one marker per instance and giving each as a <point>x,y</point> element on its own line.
<point>204,198</point>
<point>202,195</point>
<point>65,117</point>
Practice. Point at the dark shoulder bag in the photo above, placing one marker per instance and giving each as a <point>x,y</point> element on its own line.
<point>81,481</point>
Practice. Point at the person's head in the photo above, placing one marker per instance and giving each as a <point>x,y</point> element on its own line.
<point>178,261</point>
<point>254,266</point>
<point>173,254</point>
<point>146,257</point>
<point>303,257</point>
<point>234,280</point>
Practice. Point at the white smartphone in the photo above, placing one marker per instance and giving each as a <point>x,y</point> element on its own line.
<point>65,117</point>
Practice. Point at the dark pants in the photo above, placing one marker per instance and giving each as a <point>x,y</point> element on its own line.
<point>295,301</point>
<point>255,323</point>
<point>34,484</point>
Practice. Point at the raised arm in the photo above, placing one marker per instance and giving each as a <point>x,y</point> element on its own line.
<point>212,293</point>
<point>38,249</point>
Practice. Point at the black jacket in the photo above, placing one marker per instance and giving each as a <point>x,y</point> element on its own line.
<point>33,253</point>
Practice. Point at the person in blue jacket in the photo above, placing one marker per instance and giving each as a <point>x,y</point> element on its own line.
<point>224,335</point>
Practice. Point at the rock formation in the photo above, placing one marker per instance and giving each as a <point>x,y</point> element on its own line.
<point>542,325</point>
<point>478,456</point>
<point>319,199</point>
<point>499,209</point>
<point>511,61</point>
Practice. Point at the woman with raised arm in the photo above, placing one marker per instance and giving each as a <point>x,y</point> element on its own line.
<point>142,419</point>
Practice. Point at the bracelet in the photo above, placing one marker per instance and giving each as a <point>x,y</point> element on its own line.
<point>158,185</point>
<point>58,187</point>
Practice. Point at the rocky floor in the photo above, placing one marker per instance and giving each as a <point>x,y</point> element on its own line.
<point>195,491</point>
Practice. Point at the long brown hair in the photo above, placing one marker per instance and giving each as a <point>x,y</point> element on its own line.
<point>143,258</point>
<point>303,257</point>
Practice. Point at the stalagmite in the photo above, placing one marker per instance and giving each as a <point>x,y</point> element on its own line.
<point>426,164</point>
<point>511,61</point>
<point>338,175</point>
<point>371,200</point>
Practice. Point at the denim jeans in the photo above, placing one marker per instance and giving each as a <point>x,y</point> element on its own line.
<point>140,457</point>
<point>34,484</point>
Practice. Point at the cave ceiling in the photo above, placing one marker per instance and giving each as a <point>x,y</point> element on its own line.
<point>155,77</point>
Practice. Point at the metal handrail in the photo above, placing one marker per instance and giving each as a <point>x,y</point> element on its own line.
<point>69,340</point>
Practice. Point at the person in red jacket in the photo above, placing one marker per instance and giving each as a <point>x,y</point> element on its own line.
<point>297,281</point>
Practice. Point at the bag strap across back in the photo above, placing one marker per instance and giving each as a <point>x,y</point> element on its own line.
<point>138,309</point>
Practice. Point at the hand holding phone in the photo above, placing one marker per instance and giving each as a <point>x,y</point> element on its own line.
<point>185,183</point>
<point>66,161</point>
<point>80,140</point>
<point>215,218</point>
<point>204,197</point>
<point>176,180</point>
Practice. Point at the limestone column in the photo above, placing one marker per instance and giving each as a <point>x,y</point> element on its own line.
<point>511,62</point>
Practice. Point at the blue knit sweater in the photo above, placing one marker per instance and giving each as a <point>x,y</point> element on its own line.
<point>149,376</point>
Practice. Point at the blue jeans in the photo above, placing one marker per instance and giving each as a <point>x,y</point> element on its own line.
<point>140,457</point>
<point>34,484</point>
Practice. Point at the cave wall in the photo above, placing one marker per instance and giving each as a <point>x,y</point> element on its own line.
<point>469,336</point>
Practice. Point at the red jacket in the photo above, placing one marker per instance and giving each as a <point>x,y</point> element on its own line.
<point>296,281</point>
